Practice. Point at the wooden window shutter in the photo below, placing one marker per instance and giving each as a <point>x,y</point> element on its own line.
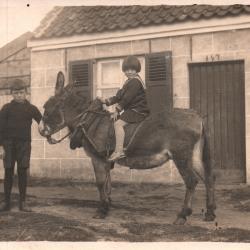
<point>81,75</point>
<point>81,72</point>
<point>159,81</point>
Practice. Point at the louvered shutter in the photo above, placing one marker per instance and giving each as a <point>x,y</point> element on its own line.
<point>159,81</point>
<point>81,75</point>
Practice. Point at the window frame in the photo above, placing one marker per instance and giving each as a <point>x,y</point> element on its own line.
<point>99,87</point>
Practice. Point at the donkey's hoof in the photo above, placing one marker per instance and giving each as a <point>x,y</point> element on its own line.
<point>180,221</point>
<point>100,216</point>
<point>209,217</point>
<point>101,212</point>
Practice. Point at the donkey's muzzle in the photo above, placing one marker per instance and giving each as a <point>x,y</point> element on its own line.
<point>43,130</point>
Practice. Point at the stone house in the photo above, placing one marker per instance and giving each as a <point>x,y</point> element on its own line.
<point>193,56</point>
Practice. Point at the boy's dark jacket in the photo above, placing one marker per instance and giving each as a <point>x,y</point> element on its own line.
<point>16,119</point>
<point>131,96</point>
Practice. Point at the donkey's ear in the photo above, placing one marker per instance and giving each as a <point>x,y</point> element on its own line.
<point>60,79</point>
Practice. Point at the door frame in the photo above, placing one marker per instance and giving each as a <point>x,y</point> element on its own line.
<point>192,64</point>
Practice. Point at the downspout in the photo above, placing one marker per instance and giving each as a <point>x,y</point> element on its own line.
<point>65,60</point>
<point>191,48</point>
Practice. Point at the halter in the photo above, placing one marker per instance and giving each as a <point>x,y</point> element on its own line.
<point>83,114</point>
<point>62,98</point>
<point>55,141</point>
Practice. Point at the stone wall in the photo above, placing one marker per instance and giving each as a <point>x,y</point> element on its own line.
<point>60,161</point>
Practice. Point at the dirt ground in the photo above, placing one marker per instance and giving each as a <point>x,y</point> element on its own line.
<point>63,210</point>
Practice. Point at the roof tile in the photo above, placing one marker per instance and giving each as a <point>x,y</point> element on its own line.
<point>222,12</point>
<point>208,14</point>
<point>69,20</point>
<point>182,17</point>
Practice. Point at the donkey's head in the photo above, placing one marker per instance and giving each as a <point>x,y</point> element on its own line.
<point>62,109</point>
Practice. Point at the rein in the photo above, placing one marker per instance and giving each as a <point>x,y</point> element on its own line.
<point>55,141</point>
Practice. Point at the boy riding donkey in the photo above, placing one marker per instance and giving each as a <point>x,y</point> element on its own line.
<point>15,142</point>
<point>131,103</point>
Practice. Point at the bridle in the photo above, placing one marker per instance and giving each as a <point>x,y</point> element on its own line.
<point>62,115</point>
<point>56,141</point>
<point>62,125</point>
<point>82,116</point>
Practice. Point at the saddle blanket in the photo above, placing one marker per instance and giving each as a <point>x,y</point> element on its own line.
<point>130,131</point>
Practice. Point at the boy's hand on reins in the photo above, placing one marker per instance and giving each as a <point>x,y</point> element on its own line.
<point>101,99</point>
<point>115,116</point>
<point>2,152</point>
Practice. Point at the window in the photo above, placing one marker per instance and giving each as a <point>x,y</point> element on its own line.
<point>110,77</point>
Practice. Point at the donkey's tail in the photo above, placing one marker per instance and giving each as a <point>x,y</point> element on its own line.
<point>206,158</point>
<point>209,177</point>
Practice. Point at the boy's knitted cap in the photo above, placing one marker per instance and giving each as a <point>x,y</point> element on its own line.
<point>17,84</point>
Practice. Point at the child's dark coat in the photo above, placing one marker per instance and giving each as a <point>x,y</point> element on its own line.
<point>15,132</point>
<point>132,99</point>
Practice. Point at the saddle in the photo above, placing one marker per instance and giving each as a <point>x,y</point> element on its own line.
<point>131,130</point>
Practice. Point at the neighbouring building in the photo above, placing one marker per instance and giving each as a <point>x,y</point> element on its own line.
<point>14,63</point>
<point>195,56</point>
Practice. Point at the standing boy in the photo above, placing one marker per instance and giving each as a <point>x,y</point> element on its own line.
<point>15,142</point>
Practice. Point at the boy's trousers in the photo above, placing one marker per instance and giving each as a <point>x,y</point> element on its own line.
<point>16,151</point>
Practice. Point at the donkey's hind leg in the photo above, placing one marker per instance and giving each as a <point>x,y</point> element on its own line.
<point>210,189</point>
<point>209,182</point>
<point>190,180</point>
<point>103,182</point>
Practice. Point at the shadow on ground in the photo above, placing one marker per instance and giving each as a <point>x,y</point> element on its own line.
<point>63,211</point>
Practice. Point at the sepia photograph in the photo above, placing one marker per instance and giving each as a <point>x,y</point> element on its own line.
<point>124,122</point>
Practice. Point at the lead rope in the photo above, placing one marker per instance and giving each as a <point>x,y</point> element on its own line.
<point>54,141</point>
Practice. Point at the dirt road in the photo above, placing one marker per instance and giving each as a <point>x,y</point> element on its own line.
<point>63,210</point>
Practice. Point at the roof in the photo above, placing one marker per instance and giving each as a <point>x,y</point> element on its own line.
<point>76,20</point>
<point>14,46</point>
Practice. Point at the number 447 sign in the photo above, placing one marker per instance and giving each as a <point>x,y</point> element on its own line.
<point>212,58</point>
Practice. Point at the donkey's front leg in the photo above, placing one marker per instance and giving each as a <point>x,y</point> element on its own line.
<point>103,182</point>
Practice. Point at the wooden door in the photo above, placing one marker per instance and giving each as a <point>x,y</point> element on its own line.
<point>217,93</point>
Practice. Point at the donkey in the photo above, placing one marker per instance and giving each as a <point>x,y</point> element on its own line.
<point>177,135</point>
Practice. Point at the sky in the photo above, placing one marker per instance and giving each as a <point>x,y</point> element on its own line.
<point>17,18</point>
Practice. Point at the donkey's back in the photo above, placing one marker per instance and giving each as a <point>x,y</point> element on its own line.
<point>178,128</point>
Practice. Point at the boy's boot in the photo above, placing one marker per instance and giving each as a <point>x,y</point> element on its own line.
<point>120,136</point>
<point>5,206</point>
<point>23,206</point>
<point>8,180</point>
